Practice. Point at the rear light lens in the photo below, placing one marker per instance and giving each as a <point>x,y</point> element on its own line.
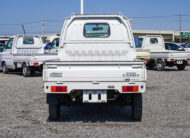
<point>188,59</point>
<point>58,88</point>
<point>35,64</point>
<point>171,59</point>
<point>145,59</point>
<point>130,88</point>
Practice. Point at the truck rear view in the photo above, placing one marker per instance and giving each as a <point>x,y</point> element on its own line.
<point>18,51</point>
<point>97,64</point>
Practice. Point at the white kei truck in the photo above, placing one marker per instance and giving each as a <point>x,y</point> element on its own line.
<point>161,55</point>
<point>19,50</point>
<point>97,64</point>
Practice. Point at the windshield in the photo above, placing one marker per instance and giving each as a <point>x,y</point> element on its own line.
<point>97,30</point>
<point>138,42</point>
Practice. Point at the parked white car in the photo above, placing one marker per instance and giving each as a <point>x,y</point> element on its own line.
<point>161,55</point>
<point>96,64</point>
<point>184,46</point>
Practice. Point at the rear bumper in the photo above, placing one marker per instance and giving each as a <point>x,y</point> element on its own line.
<point>177,62</point>
<point>35,64</point>
<point>71,86</point>
<point>176,59</point>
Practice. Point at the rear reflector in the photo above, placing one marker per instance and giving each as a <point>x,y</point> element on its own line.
<point>171,59</point>
<point>58,88</point>
<point>188,58</point>
<point>130,88</point>
<point>145,59</point>
<point>35,64</point>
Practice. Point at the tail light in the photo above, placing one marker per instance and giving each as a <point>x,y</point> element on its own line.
<point>58,88</point>
<point>130,88</point>
<point>171,59</point>
<point>188,59</point>
<point>146,60</point>
<point>35,64</point>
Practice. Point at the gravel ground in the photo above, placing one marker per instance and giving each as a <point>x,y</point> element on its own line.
<point>166,113</point>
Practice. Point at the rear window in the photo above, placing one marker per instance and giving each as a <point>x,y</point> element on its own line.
<point>100,30</point>
<point>153,41</point>
<point>28,41</point>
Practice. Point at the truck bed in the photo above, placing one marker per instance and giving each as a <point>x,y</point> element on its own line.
<point>94,75</point>
<point>179,55</point>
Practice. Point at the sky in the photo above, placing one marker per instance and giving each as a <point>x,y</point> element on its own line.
<point>144,14</point>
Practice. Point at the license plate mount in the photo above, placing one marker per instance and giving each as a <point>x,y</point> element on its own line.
<point>91,96</point>
<point>179,62</point>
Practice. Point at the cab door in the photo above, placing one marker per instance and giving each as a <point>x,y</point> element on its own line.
<point>8,54</point>
<point>54,46</point>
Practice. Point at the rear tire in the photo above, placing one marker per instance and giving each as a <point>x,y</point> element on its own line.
<point>137,107</point>
<point>5,69</point>
<point>181,67</point>
<point>54,112</point>
<point>160,65</point>
<point>26,70</point>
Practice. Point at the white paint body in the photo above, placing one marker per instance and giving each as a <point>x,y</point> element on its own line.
<point>95,64</point>
<point>20,53</point>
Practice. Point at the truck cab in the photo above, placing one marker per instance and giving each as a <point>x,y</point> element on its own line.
<point>152,43</point>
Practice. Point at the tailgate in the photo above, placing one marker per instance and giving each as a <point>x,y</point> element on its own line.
<point>43,58</point>
<point>140,53</point>
<point>94,71</point>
